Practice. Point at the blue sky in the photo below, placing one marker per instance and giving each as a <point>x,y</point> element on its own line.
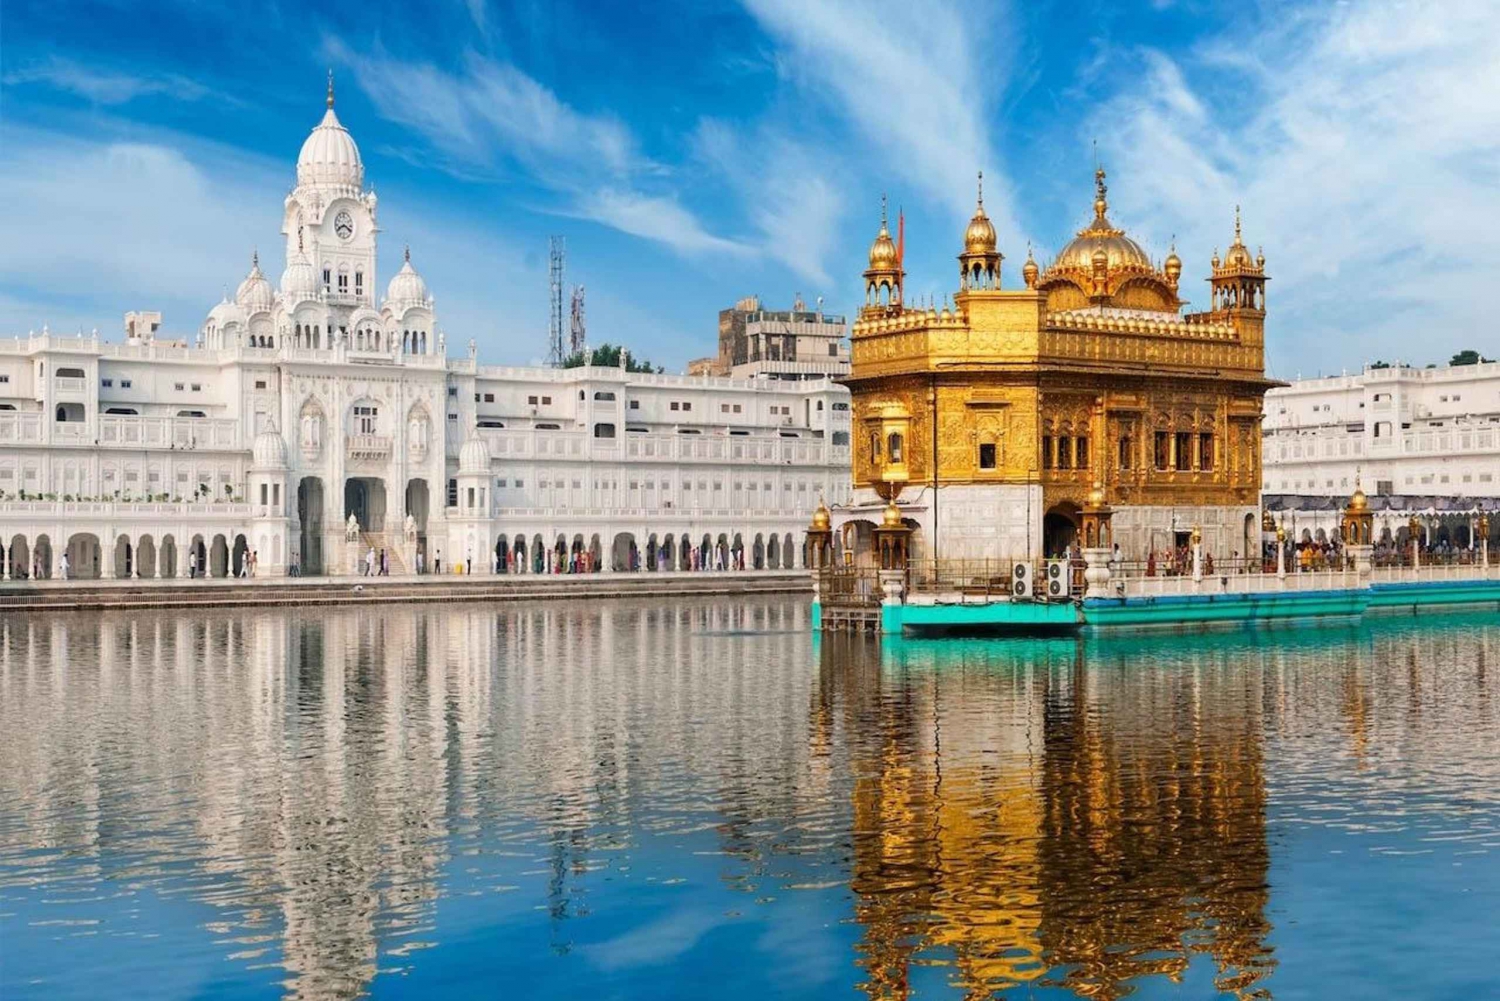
<point>693,153</point>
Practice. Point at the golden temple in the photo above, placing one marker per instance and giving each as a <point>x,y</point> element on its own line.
<point>992,419</point>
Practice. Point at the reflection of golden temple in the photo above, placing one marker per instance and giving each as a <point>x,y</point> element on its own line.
<point>1014,401</point>
<point>1022,819</point>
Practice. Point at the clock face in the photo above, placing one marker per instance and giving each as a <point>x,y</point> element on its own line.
<point>343,225</point>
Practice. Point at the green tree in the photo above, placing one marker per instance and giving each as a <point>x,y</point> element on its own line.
<point>607,355</point>
<point>1468,356</point>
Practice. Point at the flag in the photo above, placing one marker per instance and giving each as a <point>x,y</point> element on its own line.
<point>901,239</point>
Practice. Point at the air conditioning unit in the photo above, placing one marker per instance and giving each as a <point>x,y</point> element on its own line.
<point>1020,580</point>
<point>1057,578</point>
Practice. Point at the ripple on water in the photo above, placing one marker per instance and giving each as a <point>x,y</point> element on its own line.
<point>607,798</point>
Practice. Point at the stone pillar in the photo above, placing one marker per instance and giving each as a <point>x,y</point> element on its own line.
<point>1362,556</point>
<point>1096,572</point>
<point>892,587</point>
<point>1281,552</point>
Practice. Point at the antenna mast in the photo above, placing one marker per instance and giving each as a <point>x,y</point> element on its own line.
<point>578,333</point>
<point>555,354</point>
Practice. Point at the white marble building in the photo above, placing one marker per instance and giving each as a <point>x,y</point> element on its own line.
<point>308,401</point>
<point>1419,441</point>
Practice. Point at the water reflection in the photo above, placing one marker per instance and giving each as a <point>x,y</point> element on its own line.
<point>1039,819</point>
<point>633,795</point>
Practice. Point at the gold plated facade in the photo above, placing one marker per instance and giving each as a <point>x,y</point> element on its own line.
<point>1092,372</point>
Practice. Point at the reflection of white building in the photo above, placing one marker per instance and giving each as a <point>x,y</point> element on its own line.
<point>1419,441</point>
<point>312,400</point>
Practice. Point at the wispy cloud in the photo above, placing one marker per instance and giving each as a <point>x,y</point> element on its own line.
<point>918,83</point>
<point>1361,141</point>
<point>783,185</point>
<point>102,86</point>
<point>491,114</point>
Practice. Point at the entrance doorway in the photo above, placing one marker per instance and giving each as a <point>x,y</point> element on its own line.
<point>310,516</point>
<point>1059,530</point>
<point>364,497</point>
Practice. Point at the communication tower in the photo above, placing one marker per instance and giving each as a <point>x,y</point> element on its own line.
<point>578,334</point>
<point>555,263</point>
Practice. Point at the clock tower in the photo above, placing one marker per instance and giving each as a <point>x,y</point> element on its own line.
<point>330,217</point>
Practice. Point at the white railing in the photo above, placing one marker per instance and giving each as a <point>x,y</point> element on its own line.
<point>20,428</point>
<point>796,521</point>
<point>1234,583</point>
<point>1435,573</point>
<point>116,431</point>
<point>30,509</point>
<point>512,443</point>
<point>369,446</point>
<point>70,383</point>
<point>72,431</point>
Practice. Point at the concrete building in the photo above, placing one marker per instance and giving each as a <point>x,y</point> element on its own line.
<point>786,345</point>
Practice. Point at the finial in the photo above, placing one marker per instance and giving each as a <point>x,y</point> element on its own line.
<point>255,257</point>
<point>981,191</point>
<point>330,86</point>
<point>1236,224</point>
<point>882,210</point>
<point>407,254</point>
<point>1101,192</point>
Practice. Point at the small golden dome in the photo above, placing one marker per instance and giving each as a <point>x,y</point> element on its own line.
<point>1260,260</point>
<point>1173,264</point>
<point>883,255</point>
<point>980,237</point>
<point>1096,497</point>
<point>1238,255</point>
<point>1280,533</point>
<point>1029,270</point>
<point>1357,500</point>
<point>821,518</point>
<point>1267,523</point>
<point>892,517</point>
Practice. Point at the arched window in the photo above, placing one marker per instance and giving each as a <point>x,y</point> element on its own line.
<point>893,447</point>
<point>875,446</point>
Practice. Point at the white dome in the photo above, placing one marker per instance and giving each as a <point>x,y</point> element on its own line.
<point>270,450</point>
<point>225,312</point>
<point>475,455</point>
<point>329,155</point>
<point>299,280</point>
<point>255,293</point>
<point>406,285</point>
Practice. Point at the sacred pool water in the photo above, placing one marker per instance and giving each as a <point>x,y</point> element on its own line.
<point>626,800</point>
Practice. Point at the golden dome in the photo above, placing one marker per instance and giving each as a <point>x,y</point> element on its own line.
<point>821,518</point>
<point>1096,497</point>
<point>1358,501</point>
<point>1173,264</point>
<point>1029,269</point>
<point>980,237</point>
<point>1101,236</point>
<point>892,518</point>
<point>883,251</point>
<point>1238,255</point>
<point>1267,523</point>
